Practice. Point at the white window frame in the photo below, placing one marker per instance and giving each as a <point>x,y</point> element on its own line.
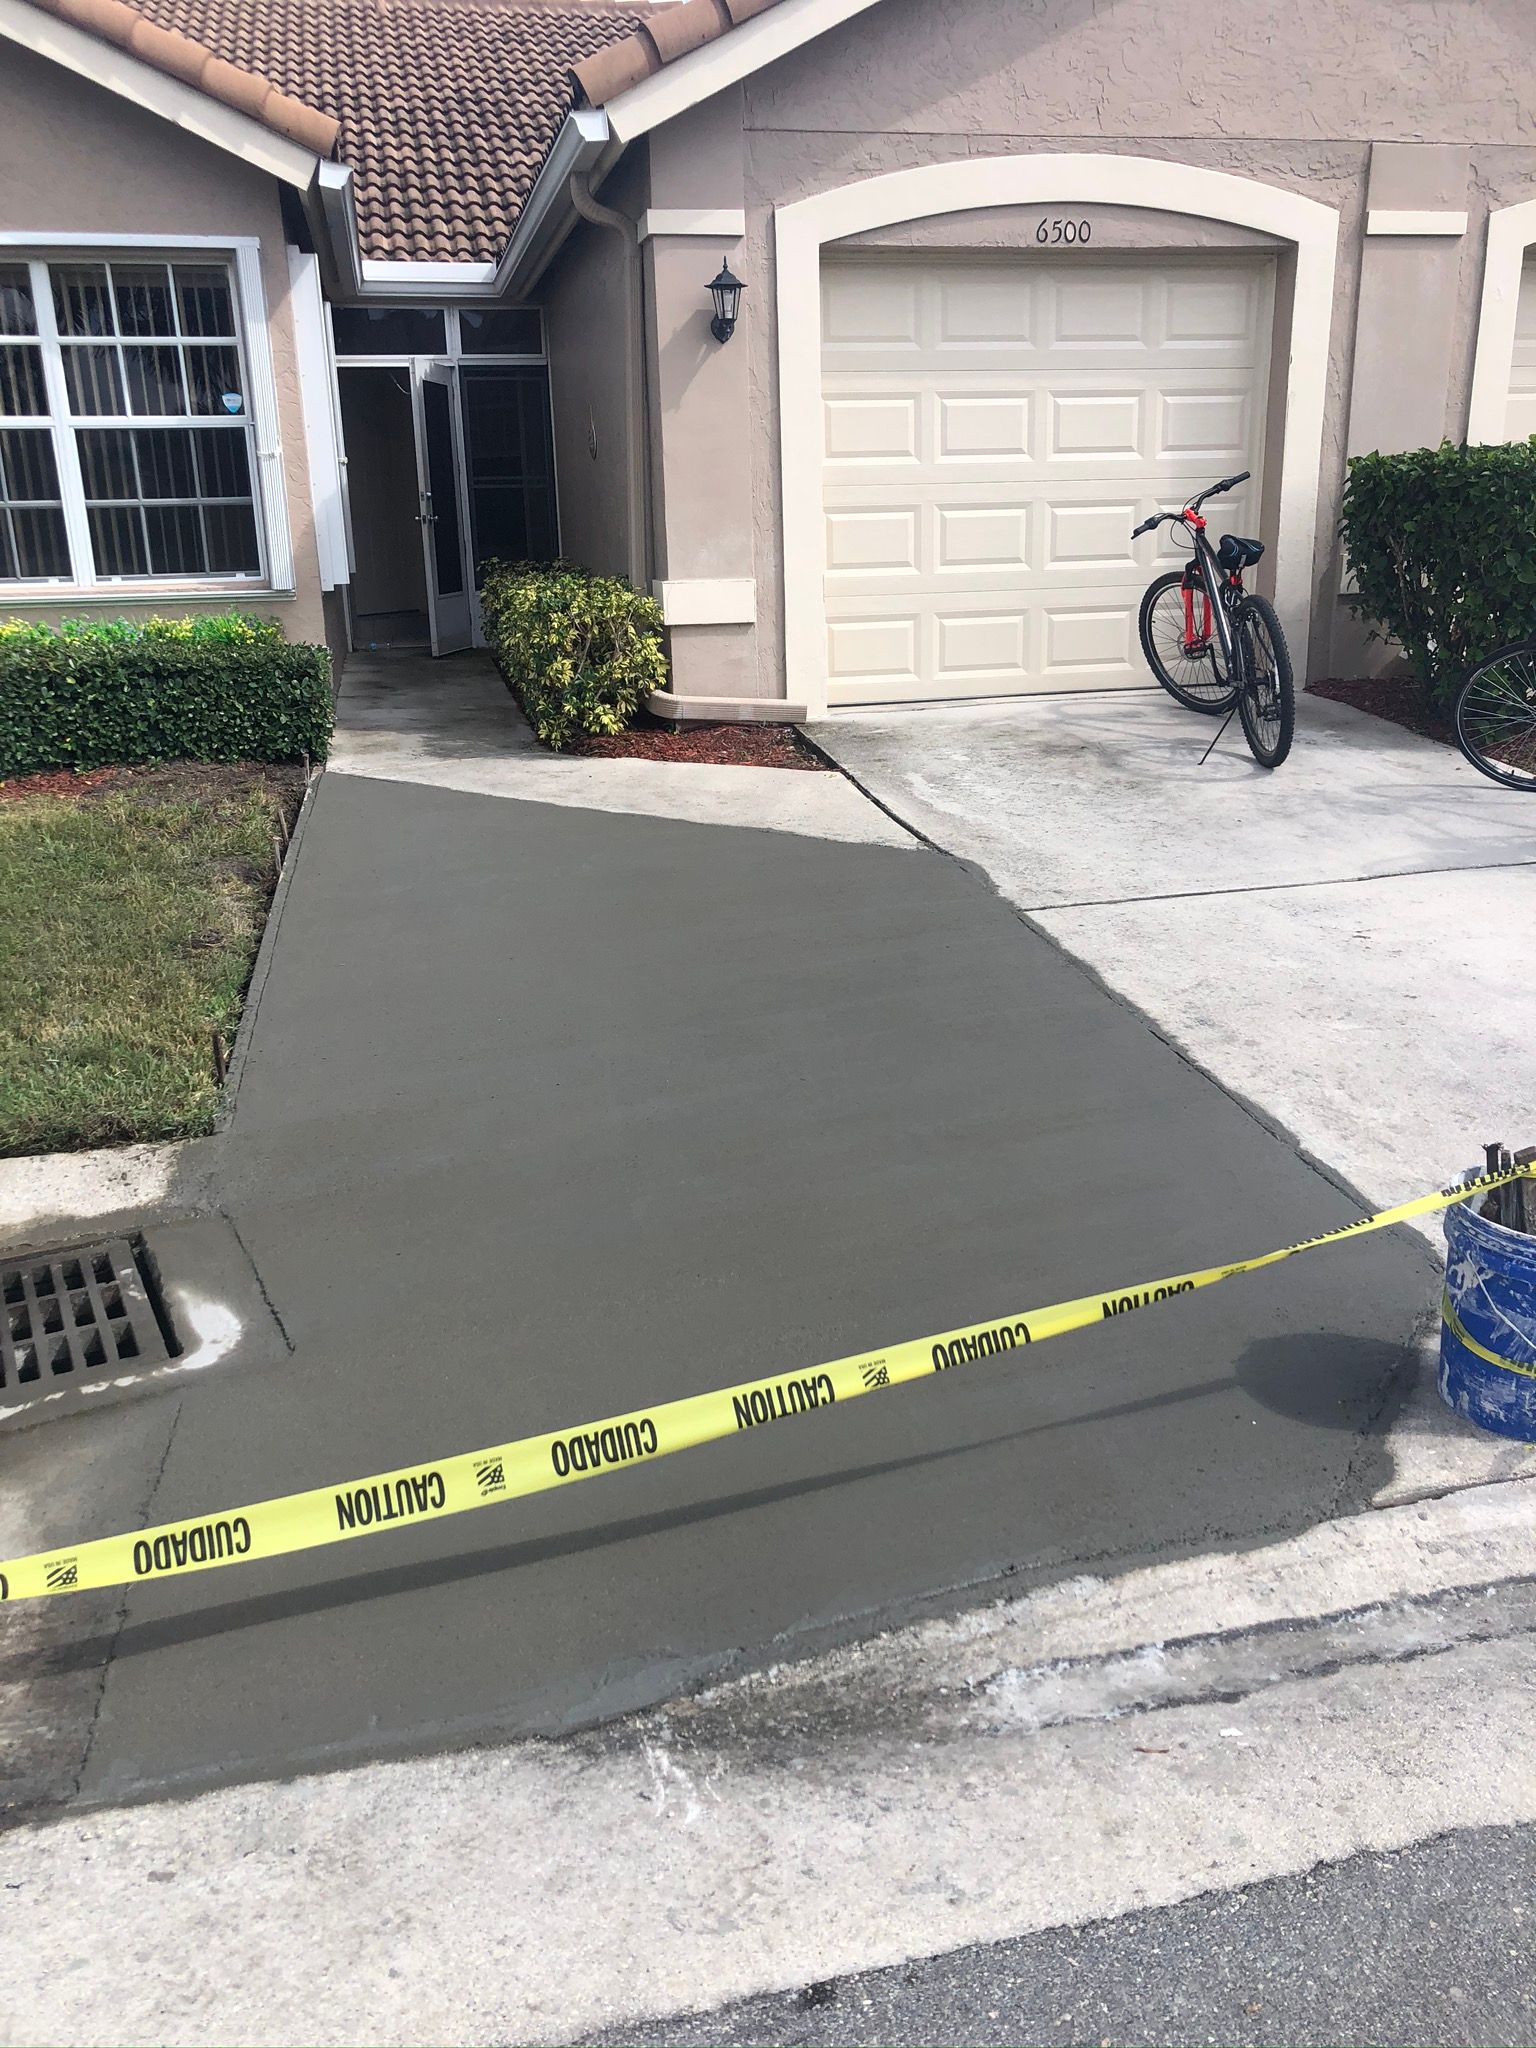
<point>243,255</point>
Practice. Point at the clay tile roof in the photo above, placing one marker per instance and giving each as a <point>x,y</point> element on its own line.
<point>446,108</point>
<point>183,56</point>
<point>661,39</point>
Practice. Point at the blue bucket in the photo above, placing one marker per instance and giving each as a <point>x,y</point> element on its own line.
<point>1488,1323</point>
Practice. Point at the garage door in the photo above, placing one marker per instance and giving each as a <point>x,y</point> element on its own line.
<point>1522,369</point>
<point>993,433</point>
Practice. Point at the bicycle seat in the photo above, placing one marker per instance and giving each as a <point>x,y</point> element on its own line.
<point>1236,553</point>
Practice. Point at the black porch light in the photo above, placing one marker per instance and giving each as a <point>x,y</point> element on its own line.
<point>726,291</point>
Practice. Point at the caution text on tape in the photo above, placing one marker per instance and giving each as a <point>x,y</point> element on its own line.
<point>475,1479</point>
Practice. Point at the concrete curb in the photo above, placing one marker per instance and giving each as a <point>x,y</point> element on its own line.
<point>262,966</point>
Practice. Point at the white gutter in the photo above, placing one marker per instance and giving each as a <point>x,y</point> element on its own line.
<point>582,148</point>
<point>338,221</point>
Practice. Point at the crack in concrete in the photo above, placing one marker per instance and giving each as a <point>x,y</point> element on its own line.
<point>1470,867</point>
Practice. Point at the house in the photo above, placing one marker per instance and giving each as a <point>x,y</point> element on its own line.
<point>314,304</point>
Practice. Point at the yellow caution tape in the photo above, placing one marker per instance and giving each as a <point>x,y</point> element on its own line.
<point>1463,1335</point>
<point>478,1479</point>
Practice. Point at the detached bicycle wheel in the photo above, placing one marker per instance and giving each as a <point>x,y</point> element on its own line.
<point>1266,700</point>
<point>1194,680</point>
<point>1496,717</point>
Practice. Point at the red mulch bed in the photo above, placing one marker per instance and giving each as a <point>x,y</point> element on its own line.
<point>65,782</point>
<point>176,782</point>
<point>1399,699</point>
<point>722,746</point>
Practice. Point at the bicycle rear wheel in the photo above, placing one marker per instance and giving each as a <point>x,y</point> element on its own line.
<point>1266,700</point>
<point>1496,717</point>
<point>1194,680</point>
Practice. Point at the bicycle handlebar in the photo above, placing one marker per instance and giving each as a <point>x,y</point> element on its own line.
<point>1228,483</point>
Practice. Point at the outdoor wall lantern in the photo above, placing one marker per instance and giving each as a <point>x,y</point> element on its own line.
<point>726,292</point>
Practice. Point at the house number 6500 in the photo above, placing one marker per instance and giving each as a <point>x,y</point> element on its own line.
<point>1064,231</point>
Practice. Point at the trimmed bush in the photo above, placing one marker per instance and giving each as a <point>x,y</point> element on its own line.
<point>581,653</point>
<point>1442,542</point>
<point>101,693</point>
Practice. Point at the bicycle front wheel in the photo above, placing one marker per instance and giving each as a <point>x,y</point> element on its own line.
<point>1193,679</point>
<point>1496,717</point>
<point>1266,700</point>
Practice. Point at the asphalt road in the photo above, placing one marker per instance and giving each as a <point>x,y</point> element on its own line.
<point>1430,1945</point>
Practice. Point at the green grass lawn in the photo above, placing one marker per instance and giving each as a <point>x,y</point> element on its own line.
<point>129,920</point>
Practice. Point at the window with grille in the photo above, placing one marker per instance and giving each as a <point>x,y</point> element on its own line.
<point>125,441</point>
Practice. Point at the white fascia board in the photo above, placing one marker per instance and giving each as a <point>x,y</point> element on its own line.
<point>1387,220</point>
<point>184,106</point>
<point>317,397</point>
<point>710,223</point>
<point>435,280</point>
<point>731,57</point>
<point>583,146</point>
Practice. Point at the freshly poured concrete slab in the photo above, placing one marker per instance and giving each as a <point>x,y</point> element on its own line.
<point>552,1112</point>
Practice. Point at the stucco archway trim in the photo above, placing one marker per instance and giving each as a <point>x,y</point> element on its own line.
<point>1511,230</point>
<point>805,227</point>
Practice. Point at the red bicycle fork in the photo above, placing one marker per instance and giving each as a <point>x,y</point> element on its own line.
<point>1196,644</point>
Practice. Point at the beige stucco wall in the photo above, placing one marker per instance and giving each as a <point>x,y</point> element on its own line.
<point>587,320</point>
<point>77,159</point>
<point>1292,93</point>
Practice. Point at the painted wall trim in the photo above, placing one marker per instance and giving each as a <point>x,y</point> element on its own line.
<point>714,223</point>
<point>707,600</point>
<point>1511,230</point>
<point>725,62</point>
<point>804,228</point>
<point>317,395</point>
<point>727,710</point>
<point>1388,220</point>
<point>183,105</point>
<point>269,445</point>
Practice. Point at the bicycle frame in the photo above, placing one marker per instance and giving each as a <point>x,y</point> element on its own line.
<point>1220,591</point>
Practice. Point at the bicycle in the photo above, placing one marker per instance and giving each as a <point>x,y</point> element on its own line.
<point>1496,716</point>
<point>1214,645</point>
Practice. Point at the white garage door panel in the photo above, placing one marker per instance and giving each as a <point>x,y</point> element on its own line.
<point>992,434</point>
<point>1522,370</point>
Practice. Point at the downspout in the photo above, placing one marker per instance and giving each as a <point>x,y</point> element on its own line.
<point>634,373</point>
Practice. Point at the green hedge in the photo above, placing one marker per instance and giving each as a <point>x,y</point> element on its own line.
<point>220,687</point>
<point>581,653</point>
<point>1442,542</point>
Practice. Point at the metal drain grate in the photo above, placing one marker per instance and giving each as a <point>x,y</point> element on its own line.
<point>70,1313</point>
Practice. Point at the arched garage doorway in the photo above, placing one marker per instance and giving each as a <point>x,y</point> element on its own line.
<point>903,637</point>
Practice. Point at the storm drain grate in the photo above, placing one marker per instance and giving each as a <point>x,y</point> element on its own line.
<point>69,1314</point>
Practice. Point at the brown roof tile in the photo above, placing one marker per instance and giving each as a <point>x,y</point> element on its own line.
<point>660,39</point>
<point>183,56</point>
<point>446,108</point>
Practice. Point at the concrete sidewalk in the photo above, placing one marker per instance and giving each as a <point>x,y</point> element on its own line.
<point>549,1111</point>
